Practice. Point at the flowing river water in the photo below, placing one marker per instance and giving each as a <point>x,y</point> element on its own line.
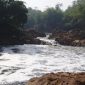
<point>21,62</point>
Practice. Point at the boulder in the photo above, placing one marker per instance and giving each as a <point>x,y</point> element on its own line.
<point>59,79</point>
<point>30,37</point>
<point>64,41</point>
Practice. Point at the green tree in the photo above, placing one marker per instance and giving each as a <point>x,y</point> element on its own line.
<point>13,15</point>
<point>53,18</point>
<point>75,15</point>
<point>34,18</point>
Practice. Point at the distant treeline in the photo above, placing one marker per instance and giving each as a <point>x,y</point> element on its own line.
<point>56,19</point>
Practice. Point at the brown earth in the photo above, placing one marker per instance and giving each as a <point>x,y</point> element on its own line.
<point>59,79</point>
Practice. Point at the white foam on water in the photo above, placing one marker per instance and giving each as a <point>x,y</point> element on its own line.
<point>35,60</point>
<point>48,41</point>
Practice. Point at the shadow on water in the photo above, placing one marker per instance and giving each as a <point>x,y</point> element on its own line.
<point>39,49</point>
<point>23,49</point>
<point>15,83</point>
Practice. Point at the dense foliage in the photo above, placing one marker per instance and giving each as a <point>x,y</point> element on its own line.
<point>75,15</point>
<point>45,21</point>
<point>13,15</point>
<point>55,19</point>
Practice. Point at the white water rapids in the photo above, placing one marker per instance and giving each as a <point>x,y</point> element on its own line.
<point>22,62</point>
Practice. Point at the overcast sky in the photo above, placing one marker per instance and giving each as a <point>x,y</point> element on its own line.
<point>43,4</point>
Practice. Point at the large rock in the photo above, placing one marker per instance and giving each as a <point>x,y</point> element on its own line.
<point>69,38</point>
<point>30,37</point>
<point>59,79</point>
<point>33,33</point>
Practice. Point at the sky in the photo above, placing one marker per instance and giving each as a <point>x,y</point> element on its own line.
<point>43,4</point>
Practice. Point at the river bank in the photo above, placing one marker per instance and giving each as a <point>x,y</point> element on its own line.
<point>69,38</point>
<point>27,37</point>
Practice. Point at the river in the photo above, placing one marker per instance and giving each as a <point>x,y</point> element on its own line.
<point>21,62</point>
